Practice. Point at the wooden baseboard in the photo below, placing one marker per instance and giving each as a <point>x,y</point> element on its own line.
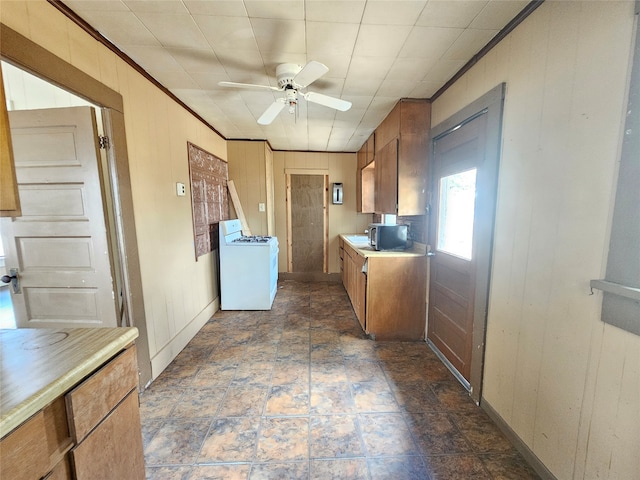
<point>310,276</point>
<point>513,437</point>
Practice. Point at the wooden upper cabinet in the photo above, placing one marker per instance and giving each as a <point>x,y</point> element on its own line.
<point>386,187</point>
<point>371,148</point>
<point>365,180</point>
<point>389,129</point>
<point>401,188</point>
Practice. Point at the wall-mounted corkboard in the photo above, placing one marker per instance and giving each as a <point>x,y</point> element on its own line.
<point>209,199</point>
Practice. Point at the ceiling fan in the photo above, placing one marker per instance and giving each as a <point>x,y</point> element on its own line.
<point>293,78</point>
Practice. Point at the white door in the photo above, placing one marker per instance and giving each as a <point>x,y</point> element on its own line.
<point>59,245</point>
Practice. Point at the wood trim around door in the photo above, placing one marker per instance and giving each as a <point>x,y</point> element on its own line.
<point>27,55</point>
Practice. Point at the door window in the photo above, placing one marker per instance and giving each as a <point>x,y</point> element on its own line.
<point>455,213</point>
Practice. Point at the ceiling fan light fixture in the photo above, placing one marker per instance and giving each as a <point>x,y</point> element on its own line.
<point>291,79</point>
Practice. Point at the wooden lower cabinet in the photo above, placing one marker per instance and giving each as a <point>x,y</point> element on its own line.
<point>114,449</point>
<point>389,299</point>
<point>396,297</point>
<point>92,432</point>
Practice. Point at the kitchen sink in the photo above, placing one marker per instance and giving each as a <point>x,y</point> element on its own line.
<point>358,239</point>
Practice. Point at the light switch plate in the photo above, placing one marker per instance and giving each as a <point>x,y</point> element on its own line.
<point>261,207</point>
<point>181,189</point>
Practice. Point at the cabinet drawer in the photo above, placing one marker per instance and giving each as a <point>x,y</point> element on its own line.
<point>93,399</point>
<point>33,448</point>
<point>114,449</point>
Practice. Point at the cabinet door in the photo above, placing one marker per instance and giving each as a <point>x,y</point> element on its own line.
<point>413,169</point>
<point>386,189</point>
<point>114,448</point>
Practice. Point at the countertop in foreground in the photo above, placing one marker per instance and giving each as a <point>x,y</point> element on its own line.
<point>37,365</point>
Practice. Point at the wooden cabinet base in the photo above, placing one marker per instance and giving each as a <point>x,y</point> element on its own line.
<point>114,449</point>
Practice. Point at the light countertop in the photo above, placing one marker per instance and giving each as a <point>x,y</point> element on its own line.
<point>37,365</point>
<point>356,242</point>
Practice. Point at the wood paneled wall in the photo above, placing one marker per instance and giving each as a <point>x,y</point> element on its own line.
<point>566,383</point>
<point>157,130</point>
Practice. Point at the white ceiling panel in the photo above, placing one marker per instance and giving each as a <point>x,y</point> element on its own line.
<point>380,40</point>
<point>410,69</point>
<point>156,6</point>
<point>175,79</point>
<point>280,9</point>
<point>468,44</point>
<point>429,42</point>
<point>153,58</point>
<point>335,11</point>
<point>275,35</point>
<point>223,8</point>
<point>122,27</point>
<point>97,5</point>
<point>497,13</point>
<point>377,52</point>
<point>178,30</point>
<point>392,12</point>
<point>456,14</point>
<point>227,32</point>
<point>331,38</point>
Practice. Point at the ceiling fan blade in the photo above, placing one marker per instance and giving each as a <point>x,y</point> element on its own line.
<point>327,101</point>
<point>248,85</point>
<point>271,112</point>
<point>311,72</point>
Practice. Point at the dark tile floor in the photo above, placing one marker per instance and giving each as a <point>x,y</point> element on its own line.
<point>299,392</point>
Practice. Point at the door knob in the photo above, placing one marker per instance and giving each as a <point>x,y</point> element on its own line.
<point>13,279</point>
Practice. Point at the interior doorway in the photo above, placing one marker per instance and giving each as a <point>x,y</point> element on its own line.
<point>307,233</point>
<point>54,136</point>
<point>465,157</point>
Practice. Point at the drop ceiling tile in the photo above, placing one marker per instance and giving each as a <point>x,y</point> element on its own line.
<point>350,117</point>
<point>243,66</point>
<point>174,79</point>
<point>174,30</point>
<point>331,38</point>
<point>96,6</point>
<point>327,86</point>
<point>361,86</point>
<point>497,13</point>
<point>279,9</point>
<point>392,87</point>
<point>363,68</point>
<point>410,69</point>
<point>392,12</point>
<point>429,42</point>
<point>444,70</point>
<point>279,35</point>
<point>152,57</point>
<point>156,6</point>
<point>121,28</point>
<point>320,113</point>
<point>380,40</point>
<point>336,11</point>
<point>358,101</point>
<point>227,32</point>
<point>468,44</point>
<point>425,89</point>
<point>448,14</point>
<point>194,60</point>
<point>223,8</point>
<point>209,81</point>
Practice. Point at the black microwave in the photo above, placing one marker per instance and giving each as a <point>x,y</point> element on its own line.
<point>383,236</point>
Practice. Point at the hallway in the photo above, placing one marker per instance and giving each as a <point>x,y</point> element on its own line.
<point>299,392</point>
